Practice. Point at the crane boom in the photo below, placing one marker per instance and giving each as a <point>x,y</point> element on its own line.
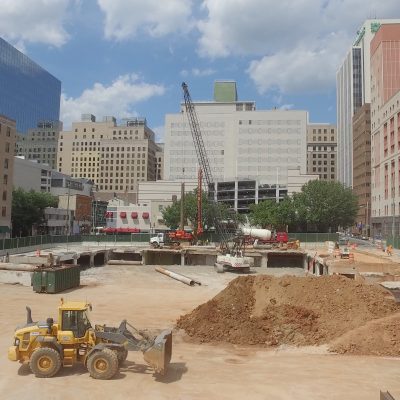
<point>204,162</point>
<point>197,136</point>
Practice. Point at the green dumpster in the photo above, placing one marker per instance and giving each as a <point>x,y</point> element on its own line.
<point>56,279</point>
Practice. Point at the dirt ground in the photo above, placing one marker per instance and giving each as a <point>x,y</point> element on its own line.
<point>150,300</point>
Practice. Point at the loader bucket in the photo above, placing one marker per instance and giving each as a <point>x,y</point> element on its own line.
<point>159,355</point>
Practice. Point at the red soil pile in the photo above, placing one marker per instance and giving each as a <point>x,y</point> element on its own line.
<point>378,337</point>
<point>288,310</point>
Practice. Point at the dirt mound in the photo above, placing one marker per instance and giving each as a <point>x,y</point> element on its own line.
<point>378,337</point>
<point>287,310</point>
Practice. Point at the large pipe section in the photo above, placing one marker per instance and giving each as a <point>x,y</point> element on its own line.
<point>18,267</point>
<point>263,234</point>
<point>178,277</point>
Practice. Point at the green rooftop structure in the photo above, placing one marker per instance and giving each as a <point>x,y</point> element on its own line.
<point>225,91</point>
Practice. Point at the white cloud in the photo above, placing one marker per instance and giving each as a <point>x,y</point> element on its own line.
<point>117,99</point>
<point>286,107</point>
<point>296,45</point>
<point>198,72</point>
<point>254,26</point>
<point>34,21</point>
<point>302,68</point>
<point>159,131</point>
<point>126,19</point>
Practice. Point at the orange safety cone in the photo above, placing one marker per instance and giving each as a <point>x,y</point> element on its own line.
<point>351,257</point>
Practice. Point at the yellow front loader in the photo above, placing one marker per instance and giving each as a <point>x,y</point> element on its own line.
<point>48,346</point>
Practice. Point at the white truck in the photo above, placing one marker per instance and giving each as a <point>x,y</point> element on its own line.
<point>158,240</point>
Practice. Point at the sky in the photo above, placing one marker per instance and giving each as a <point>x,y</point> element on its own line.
<point>128,57</point>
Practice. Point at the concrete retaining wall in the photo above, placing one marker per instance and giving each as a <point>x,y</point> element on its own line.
<point>16,277</point>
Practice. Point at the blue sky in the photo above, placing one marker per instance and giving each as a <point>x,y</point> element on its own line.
<point>129,57</point>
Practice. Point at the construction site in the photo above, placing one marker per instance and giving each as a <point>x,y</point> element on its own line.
<point>252,314</point>
<point>285,329</point>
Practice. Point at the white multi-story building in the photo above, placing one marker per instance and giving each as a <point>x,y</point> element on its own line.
<point>241,142</point>
<point>31,175</point>
<point>353,89</point>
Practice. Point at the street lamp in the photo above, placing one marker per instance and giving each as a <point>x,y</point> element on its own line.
<point>68,218</point>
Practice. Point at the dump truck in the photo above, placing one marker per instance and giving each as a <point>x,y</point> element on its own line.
<point>48,346</point>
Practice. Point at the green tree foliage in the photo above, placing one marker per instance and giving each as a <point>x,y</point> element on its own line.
<point>320,206</point>
<point>171,214</point>
<point>269,214</point>
<point>326,205</point>
<point>28,210</point>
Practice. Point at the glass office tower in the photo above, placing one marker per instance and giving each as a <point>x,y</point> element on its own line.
<point>28,93</point>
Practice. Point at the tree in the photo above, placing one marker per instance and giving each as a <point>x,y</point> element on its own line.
<point>320,206</point>
<point>326,205</point>
<point>28,210</point>
<point>171,214</point>
<point>273,215</point>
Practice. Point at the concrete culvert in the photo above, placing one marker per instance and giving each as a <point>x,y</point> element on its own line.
<point>279,260</point>
<point>84,261</point>
<point>99,259</point>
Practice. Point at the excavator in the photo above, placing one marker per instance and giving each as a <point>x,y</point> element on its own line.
<point>48,346</point>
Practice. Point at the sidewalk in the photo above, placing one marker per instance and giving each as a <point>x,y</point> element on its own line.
<point>395,257</point>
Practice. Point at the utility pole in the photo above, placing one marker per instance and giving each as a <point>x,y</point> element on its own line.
<point>68,219</point>
<point>182,224</point>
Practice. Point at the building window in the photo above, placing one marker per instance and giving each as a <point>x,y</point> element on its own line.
<point>3,211</point>
<point>4,195</point>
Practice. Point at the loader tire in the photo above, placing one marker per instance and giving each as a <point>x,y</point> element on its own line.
<point>121,355</point>
<point>103,364</point>
<point>45,362</point>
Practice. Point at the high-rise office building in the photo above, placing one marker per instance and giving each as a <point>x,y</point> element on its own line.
<point>7,144</point>
<point>115,157</point>
<point>353,90</point>
<point>321,151</point>
<point>241,142</point>
<point>28,93</point>
<point>40,143</point>
<point>362,166</point>
<point>385,130</point>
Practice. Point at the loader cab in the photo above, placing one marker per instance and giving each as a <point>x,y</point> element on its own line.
<point>74,317</point>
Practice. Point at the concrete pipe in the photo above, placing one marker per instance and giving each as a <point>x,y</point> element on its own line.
<point>18,267</point>
<point>178,277</point>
